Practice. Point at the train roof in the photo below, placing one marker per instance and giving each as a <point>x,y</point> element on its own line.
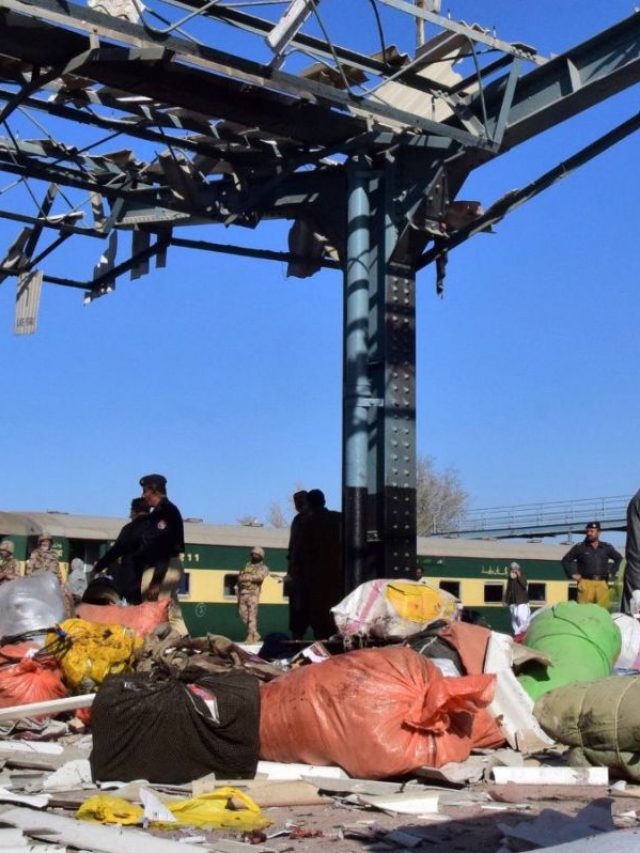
<point>514,549</point>
<point>102,528</point>
<point>105,528</point>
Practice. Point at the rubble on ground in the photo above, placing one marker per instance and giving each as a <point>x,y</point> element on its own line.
<point>448,738</point>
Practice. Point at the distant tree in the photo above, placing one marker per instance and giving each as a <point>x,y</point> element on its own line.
<point>441,497</point>
<point>249,521</point>
<point>276,516</point>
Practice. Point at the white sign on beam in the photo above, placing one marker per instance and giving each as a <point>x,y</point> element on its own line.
<point>28,302</point>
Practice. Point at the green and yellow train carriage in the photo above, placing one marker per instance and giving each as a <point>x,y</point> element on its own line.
<point>475,571</point>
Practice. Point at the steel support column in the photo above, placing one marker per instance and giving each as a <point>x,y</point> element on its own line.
<point>357,387</point>
<point>392,365</point>
<point>393,494</point>
<point>379,424</point>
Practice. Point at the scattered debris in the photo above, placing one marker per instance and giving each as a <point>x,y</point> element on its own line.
<point>552,775</point>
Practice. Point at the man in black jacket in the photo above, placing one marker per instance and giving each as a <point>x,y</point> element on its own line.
<point>125,553</point>
<point>162,545</point>
<point>592,563</point>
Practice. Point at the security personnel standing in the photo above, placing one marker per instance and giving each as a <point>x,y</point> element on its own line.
<point>250,582</point>
<point>591,563</point>
<point>9,569</point>
<point>162,545</point>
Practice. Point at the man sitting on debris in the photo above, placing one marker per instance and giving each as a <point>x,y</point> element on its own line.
<point>9,569</point>
<point>44,558</point>
<point>592,563</point>
<point>250,582</point>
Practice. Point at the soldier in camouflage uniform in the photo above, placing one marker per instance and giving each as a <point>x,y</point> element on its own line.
<point>250,581</point>
<point>9,569</point>
<point>43,558</point>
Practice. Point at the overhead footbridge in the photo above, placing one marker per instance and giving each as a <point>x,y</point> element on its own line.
<point>536,520</point>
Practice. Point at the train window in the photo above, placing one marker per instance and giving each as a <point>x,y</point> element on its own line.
<point>184,589</point>
<point>493,593</point>
<point>537,592</point>
<point>87,550</point>
<point>230,583</point>
<point>572,593</point>
<point>451,586</point>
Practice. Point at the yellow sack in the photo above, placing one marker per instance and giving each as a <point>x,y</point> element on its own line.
<point>107,809</point>
<point>96,651</point>
<point>420,602</point>
<point>208,810</point>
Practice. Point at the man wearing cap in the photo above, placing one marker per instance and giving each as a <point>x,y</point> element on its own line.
<point>44,558</point>
<point>250,581</point>
<point>123,559</point>
<point>592,563</point>
<point>162,545</point>
<point>9,569</point>
<point>516,596</point>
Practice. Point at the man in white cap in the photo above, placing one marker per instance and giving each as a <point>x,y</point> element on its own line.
<point>250,581</point>
<point>516,595</point>
<point>9,569</point>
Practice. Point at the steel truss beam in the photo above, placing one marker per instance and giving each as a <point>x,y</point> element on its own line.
<point>246,72</point>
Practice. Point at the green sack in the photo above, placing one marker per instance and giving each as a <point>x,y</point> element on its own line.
<point>622,765</point>
<point>600,720</point>
<point>582,640</point>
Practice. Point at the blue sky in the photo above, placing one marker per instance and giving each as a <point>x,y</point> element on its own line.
<point>226,376</point>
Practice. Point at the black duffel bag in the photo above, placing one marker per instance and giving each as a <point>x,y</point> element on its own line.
<point>162,729</point>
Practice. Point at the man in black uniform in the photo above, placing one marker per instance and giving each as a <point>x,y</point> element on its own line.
<point>320,576</point>
<point>162,545</point>
<point>126,576</point>
<point>591,563</point>
<point>632,553</point>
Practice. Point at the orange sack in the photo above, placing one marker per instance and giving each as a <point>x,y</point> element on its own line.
<point>28,680</point>
<point>376,713</point>
<point>141,618</point>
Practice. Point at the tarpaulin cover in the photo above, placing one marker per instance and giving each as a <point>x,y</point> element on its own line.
<point>30,604</point>
<point>601,718</point>
<point>582,640</point>
<point>629,627</point>
<point>94,652</point>
<point>376,713</point>
<point>158,729</point>
<point>141,618</point>
<point>28,680</point>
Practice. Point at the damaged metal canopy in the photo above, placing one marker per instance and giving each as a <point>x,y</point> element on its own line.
<point>178,131</point>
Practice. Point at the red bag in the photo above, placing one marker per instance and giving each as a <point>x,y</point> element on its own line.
<point>28,680</point>
<point>376,713</point>
<point>470,641</point>
<point>141,618</point>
